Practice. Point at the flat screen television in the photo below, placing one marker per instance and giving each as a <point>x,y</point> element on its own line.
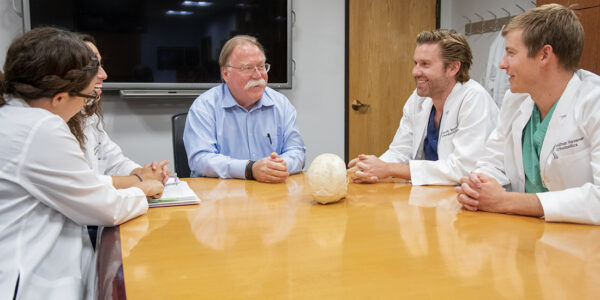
<point>167,44</point>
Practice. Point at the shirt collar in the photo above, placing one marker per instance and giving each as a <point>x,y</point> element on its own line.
<point>14,101</point>
<point>229,101</point>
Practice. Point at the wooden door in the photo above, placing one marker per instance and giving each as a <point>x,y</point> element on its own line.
<point>590,58</point>
<point>381,41</point>
<point>588,12</point>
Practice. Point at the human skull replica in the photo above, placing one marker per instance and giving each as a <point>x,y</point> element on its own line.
<point>327,178</point>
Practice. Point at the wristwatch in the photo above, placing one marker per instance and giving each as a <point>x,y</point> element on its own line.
<point>249,170</point>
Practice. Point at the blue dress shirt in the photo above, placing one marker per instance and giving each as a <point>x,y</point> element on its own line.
<point>220,135</point>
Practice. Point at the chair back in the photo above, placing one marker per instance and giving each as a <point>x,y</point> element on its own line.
<point>181,162</point>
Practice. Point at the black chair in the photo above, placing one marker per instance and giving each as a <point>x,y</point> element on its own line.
<point>181,162</point>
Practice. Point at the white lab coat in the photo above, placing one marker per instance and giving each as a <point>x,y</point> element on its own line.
<point>469,117</point>
<point>104,155</point>
<point>47,194</point>
<point>496,80</point>
<point>570,155</point>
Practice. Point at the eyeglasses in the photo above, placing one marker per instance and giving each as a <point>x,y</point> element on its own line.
<point>249,69</point>
<point>89,98</point>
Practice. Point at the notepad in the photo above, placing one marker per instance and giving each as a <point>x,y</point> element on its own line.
<point>176,192</point>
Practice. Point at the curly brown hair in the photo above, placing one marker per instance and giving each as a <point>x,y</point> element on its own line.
<point>78,122</point>
<point>46,61</point>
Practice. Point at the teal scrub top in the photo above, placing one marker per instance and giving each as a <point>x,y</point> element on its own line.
<point>533,139</point>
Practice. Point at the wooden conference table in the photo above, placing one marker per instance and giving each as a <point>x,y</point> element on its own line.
<point>389,240</point>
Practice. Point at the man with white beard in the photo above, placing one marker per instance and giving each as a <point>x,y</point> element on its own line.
<point>242,128</point>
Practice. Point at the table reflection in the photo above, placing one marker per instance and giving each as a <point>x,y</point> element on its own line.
<point>391,239</point>
<point>413,219</point>
<point>568,259</point>
<point>233,210</point>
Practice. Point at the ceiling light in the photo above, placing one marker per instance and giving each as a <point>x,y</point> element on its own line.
<point>178,12</point>
<point>196,3</point>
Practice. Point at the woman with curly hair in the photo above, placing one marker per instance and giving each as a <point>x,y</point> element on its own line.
<point>47,189</point>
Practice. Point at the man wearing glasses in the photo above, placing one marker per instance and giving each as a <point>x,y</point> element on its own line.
<point>242,128</point>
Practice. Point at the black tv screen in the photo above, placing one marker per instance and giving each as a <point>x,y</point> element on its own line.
<point>166,44</point>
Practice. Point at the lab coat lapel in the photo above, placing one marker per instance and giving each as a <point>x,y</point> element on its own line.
<point>563,108</point>
<point>523,115</point>
<point>421,120</point>
<point>454,97</point>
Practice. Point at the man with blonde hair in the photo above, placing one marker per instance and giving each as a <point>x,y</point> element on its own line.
<point>242,128</point>
<point>546,148</point>
<point>445,122</point>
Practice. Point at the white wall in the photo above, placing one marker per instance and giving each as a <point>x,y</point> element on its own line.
<point>318,83</point>
<point>452,12</point>
<point>11,25</point>
<point>143,127</point>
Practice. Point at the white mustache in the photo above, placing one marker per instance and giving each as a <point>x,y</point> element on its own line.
<point>253,83</point>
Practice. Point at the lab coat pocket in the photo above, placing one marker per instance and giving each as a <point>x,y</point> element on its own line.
<point>567,171</point>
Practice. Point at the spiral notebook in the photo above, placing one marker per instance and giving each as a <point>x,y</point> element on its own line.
<point>176,192</point>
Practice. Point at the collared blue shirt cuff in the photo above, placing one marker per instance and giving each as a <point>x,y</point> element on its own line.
<point>292,165</point>
<point>237,168</point>
<point>288,164</point>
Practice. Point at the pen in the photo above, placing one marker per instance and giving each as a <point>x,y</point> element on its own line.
<point>269,136</point>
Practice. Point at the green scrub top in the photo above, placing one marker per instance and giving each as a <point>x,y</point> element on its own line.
<point>533,139</point>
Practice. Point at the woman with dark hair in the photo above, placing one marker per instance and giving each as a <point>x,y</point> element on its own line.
<point>104,155</point>
<point>47,189</point>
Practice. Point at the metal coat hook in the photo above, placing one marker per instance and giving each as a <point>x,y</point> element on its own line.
<point>533,2</point>
<point>470,26</point>
<point>517,5</point>
<point>19,13</point>
<point>495,20</point>
<point>482,21</point>
<point>506,11</point>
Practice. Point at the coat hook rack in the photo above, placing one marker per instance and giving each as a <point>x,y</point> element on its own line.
<point>482,22</point>
<point>469,31</point>
<point>490,25</point>
<point>495,20</point>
